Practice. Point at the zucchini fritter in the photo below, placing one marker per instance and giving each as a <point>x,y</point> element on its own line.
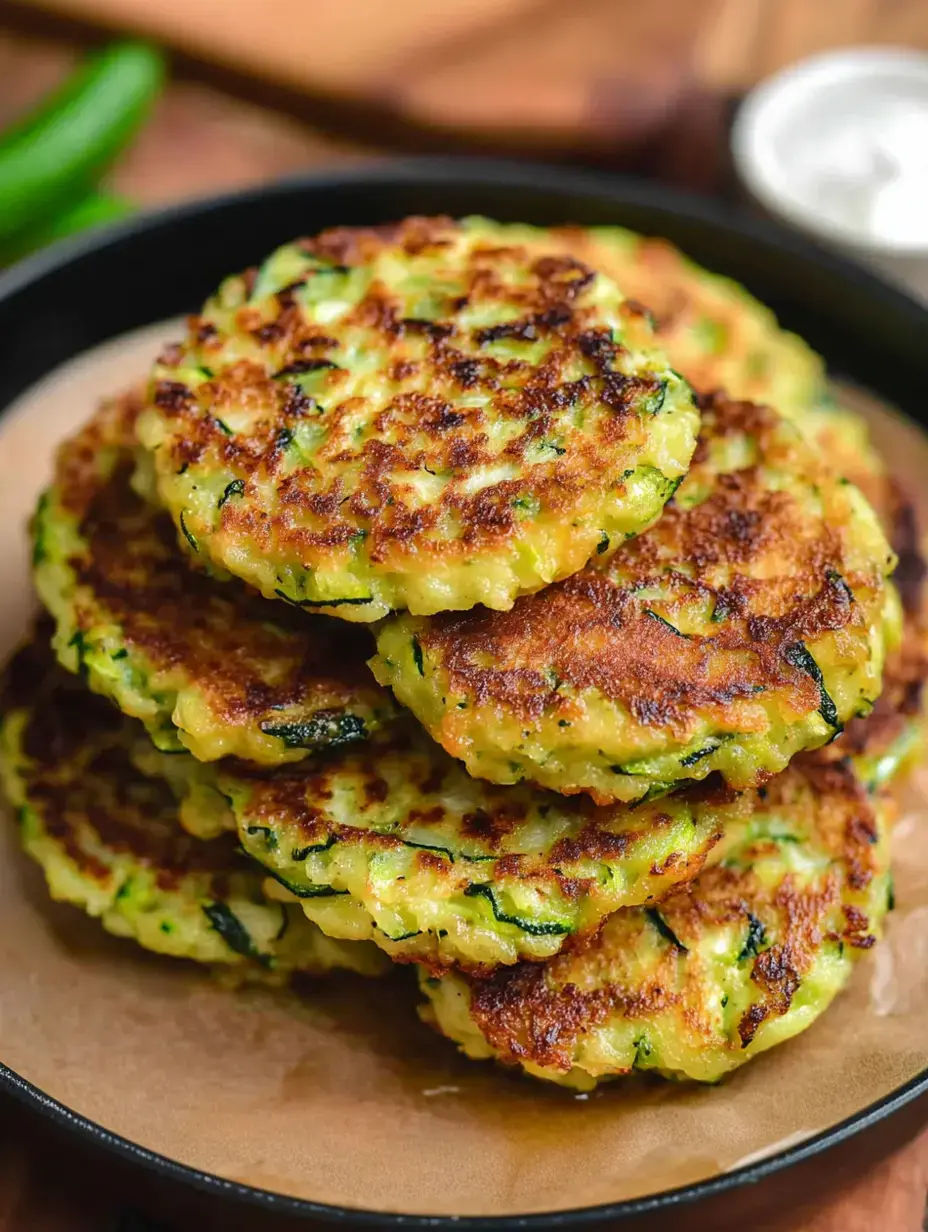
<point>108,839</point>
<point>206,666</point>
<point>747,957</point>
<point>721,338</point>
<point>710,327</point>
<point>749,624</point>
<point>403,847</point>
<point>889,741</point>
<point>396,843</point>
<point>424,415</point>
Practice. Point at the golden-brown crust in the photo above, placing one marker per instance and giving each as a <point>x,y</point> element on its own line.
<point>592,631</point>
<point>250,659</point>
<point>78,776</point>
<point>743,346</point>
<point>301,794</point>
<point>537,1013</point>
<point>435,842</point>
<point>660,267</point>
<point>425,434</point>
<point>425,425</point>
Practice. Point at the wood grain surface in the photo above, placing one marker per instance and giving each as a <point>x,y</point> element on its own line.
<point>564,74</point>
<point>542,72</point>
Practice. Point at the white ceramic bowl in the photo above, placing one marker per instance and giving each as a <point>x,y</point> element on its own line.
<point>837,145</point>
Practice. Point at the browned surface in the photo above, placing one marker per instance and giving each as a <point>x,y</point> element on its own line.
<point>80,772</point>
<point>541,1014</point>
<point>254,665</point>
<point>786,577</point>
<point>498,825</point>
<point>356,479</point>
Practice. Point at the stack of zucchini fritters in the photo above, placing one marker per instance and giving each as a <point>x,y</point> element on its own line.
<point>417,608</point>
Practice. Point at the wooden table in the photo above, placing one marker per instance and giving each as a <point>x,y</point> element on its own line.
<point>203,138</point>
<point>551,75</point>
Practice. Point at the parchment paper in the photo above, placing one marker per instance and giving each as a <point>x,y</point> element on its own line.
<point>340,1095</point>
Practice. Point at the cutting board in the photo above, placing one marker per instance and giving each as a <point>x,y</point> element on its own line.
<point>569,74</point>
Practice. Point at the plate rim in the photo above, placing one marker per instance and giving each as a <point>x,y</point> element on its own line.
<point>254,1197</point>
<point>498,174</point>
<point>493,172</point>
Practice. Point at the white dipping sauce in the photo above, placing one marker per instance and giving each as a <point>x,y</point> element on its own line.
<point>838,145</point>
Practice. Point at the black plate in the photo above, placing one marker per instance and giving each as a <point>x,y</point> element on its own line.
<point>84,291</point>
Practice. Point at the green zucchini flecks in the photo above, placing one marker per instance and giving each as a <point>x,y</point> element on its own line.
<point>233,932</point>
<point>664,928</point>
<point>534,928</point>
<point>327,729</point>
